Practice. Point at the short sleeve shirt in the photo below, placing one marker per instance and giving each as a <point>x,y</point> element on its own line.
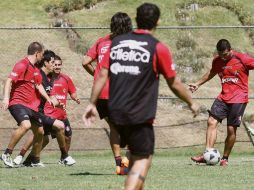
<point>61,87</point>
<point>234,77</point>
<point>25,77</point>
<point>97,52</point>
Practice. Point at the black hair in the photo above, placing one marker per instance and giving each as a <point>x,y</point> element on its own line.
<point>58,58</point>
<point>120,24</point>
<point>148,15</point>
<point>34,47</point>
<point>223,45</point>
<point>47,55</point>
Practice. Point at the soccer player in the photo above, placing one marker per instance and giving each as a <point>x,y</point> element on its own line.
<point>120,24</point>
<point>21,99</point>
<point>57,126</point>
<point>134,63</point>
<point>233,69</point>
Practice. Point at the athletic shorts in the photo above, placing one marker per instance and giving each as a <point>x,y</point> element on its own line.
<point>233,112</point>
<point>139,138</point>
<point>67,129</point>
<point>102,107</point>
<point>47,123</point>
<point>21,113</point>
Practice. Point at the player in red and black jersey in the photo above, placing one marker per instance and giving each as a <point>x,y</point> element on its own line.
<point>233,69</point>
<point>134,63</point>
<point>23,102</point>
<point>120,24</point>
<point>53,118</point>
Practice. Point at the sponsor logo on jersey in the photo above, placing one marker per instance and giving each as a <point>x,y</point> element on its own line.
<point>60,97</point>
<point>57,84</point>
<point>14,74</point>
<point>36,74</point>
<point>227,67</point>
<point>225,80</point>
<point>136,54</point>
<point>118,68</point>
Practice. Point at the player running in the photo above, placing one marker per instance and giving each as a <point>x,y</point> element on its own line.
<point>233,69</point>
<point>120,24</point>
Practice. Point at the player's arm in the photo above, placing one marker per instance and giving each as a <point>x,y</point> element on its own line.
<point>166,67</point>
<point>87,64</point>
<point>206,77</point>
<point>7,88</point>
<point>74,97</point>
<point>43,92</point>
<point>180,91</point>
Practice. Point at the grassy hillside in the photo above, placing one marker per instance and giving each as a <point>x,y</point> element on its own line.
<point>190,47</point>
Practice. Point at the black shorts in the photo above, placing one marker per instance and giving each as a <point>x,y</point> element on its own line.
<point>21,113</point>
<point>67,129</point>
<point>102,107</point>
<point>47,123</point>
<point>233,112</point>
<point>139,138</point>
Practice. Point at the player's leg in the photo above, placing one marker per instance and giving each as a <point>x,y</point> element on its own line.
<point>21,115</point>
<point>28,143</point>
<point>59,127</point>
<point>37,146</point>
<point>140,139</point>
<point>138,172</point>
<point>67,133</point>
<point>218,112</point>
<point>234,121</point>
<point>114,138</point>
<point>211,132</point>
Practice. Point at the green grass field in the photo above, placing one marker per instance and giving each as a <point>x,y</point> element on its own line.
<point>171,170</point>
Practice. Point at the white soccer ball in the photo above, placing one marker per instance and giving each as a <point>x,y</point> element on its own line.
<point>212,156</point>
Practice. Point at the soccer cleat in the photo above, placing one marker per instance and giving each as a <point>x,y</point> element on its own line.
<point>7,160</point>
<point>123,169</point>
<point>198,159</point>
<point>18,160</point>
<point>69,161</point>
<point>39,165</point>
<point>251,130</point>
<point>224,162</point>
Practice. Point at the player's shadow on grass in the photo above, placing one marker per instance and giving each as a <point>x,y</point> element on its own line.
<point>88,173</point>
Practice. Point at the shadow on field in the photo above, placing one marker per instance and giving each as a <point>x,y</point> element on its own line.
<point>88,173</point>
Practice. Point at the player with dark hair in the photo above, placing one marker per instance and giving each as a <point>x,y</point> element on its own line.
<point>50,124</point>
<point>20,97</point>
<point>233,69</point>
<point>134,63</point>
<point>120,24</point>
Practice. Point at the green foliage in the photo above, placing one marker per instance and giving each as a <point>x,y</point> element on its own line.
<point>70,5</point>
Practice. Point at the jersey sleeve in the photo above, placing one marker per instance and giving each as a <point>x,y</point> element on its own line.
<point>37,77</point>
<point>18,71</point>
<point>248,61</point>
<point>71,86</point>
<point>164,61</point>
<point>92,52</point>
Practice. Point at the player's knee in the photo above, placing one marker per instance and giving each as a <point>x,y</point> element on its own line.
<point>58,125</point>
<point>40,131</point>
<point>212,122</point>
<point>25,125</point>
